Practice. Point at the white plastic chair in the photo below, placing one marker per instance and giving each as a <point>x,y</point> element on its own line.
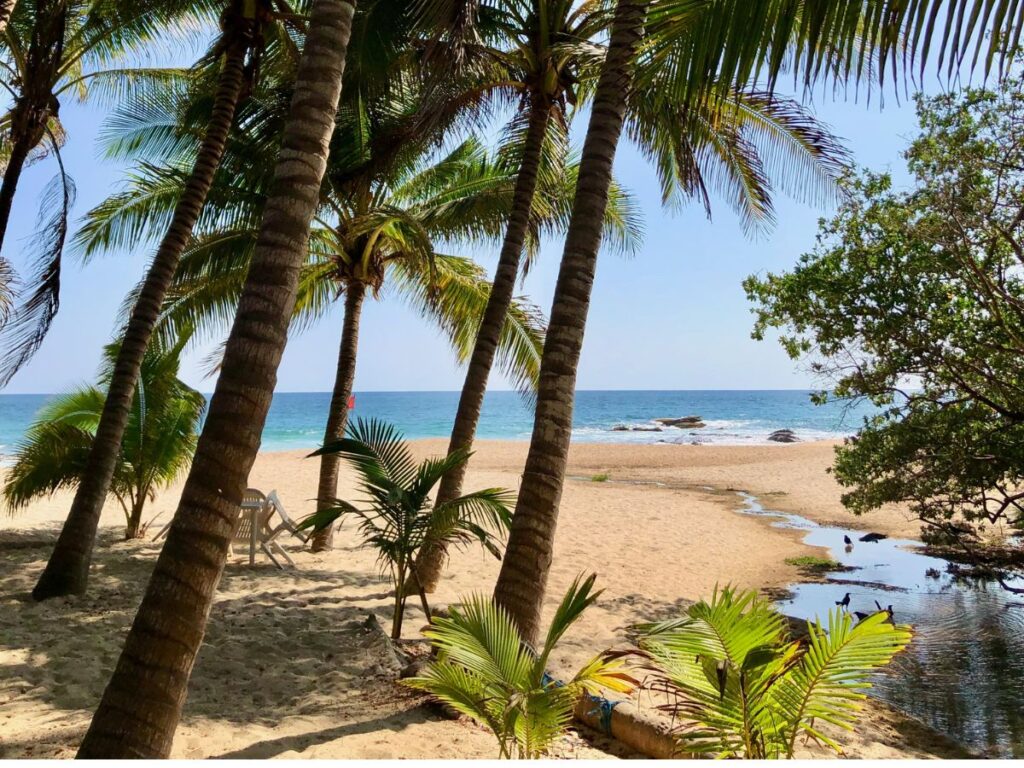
<point>286,524</point>
<point>253,528</point>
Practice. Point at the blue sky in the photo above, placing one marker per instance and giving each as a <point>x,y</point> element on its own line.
<point>672,317</point>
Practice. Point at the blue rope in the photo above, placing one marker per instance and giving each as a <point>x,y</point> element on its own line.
<point>599,706</point>
<point>603,708</point>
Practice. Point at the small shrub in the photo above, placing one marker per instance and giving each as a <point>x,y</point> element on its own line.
<point>485,671</point>
<point>600,477</point>
<point>743,688</point>
<point>397,517</point>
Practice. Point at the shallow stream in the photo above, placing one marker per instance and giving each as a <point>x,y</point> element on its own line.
<point>963,674</point>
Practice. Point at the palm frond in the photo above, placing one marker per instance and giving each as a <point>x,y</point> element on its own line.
<point>159,438</point>
<point>743,689</point>
<point>828,686</point>
<point>38,301</point>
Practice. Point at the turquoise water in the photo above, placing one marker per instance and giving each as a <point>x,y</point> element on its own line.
<point>296,419</point>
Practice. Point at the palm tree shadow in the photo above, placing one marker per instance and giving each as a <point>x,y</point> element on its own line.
<point>279,643</point>
<point>268,748</point>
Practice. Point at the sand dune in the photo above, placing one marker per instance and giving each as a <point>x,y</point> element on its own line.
<point>288,668</point>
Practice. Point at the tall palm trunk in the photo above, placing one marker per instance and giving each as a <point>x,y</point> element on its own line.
<point>141,706</point>
<point>431,562</point>
<point>327,488</point>
<point>67,571</point>
<point>524,569</point>
<point>6,9</point>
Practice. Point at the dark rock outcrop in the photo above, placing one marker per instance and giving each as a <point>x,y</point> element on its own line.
<point>686,422</point>
<point>783,436</point>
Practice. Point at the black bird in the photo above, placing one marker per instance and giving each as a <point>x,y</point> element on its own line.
<point>873,537</point>
<point>847,540</point>
<point>861,615</point>
<point>845,602</point>
<point>887,609</point>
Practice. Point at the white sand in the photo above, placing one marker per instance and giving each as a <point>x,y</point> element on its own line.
<point>286,670</point>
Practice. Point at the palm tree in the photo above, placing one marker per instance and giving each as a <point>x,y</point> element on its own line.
<point>523,575</point>
<point>746,690</point>
<point>486,672</point>
<point>378,227</point>
<point>741,143</point>
<point>695,51</point>
<point>378,237</point>
<point>50,51</point>
<point>6,9</point>
<point>67,571</point>
<point>536,52</point>
<point>160,438</point>
<point>141,705</point>
<point>399,519</point>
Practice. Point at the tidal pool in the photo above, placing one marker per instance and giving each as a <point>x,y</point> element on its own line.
<point>963,673</point>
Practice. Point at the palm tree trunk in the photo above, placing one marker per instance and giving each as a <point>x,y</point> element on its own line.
<point>431,561</point>
<point>327,488</point>
<point>35,104</point>
<point>524,569</point>
<point>6,9</point>
<point>12,174</point>
<point>67,571</point>
<point>134,528</point>
<point>141,705</point>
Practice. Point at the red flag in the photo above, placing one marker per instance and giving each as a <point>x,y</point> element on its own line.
<point>351,402</point>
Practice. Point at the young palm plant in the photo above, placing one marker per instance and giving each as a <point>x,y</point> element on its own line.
<point>160,438</point>
<point>743,688</point>
<point>485,671</point>
<point>397,518</point>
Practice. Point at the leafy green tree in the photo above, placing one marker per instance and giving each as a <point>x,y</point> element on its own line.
<point>914,299</point>
<point>699,50</point>
<point>398,517</point>
<point>159,439</point>
<point>485,671</point>
<point>743,688</point>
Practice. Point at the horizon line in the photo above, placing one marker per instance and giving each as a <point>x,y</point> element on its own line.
<point>458,391</point>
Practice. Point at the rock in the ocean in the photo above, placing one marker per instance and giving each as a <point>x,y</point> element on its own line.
<point>783,436</point>
<point>686,422</point>
<point>634,428</point>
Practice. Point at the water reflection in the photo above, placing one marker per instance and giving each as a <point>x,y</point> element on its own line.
<point>964,672</point>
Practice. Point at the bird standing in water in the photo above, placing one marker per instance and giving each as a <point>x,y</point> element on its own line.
<point>847,540</point>
<point>845,602</point>
<point>861,615</point>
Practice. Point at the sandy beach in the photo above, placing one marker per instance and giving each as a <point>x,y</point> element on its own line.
<point>288,670</point>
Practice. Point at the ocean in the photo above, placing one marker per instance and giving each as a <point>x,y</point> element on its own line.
<point>732,417</point>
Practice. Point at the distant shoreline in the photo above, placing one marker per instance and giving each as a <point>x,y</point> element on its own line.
<point>525,441</point>
<point>620,417</point>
